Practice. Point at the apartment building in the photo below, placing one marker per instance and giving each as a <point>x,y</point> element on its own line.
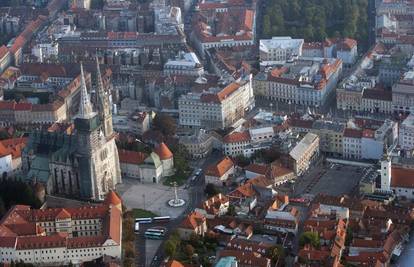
<point>368,142</point>
<point>330,136</point>
<point>377,101</point>
<point>403,94</point>
<point>304,153</point>
<point>217,107</point>
<point>279,49</point>
<point>406,133</point>
<point>60,236</point>
<point>306,81</point>
<point>222,25</point>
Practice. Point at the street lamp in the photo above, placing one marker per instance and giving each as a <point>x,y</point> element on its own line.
<point>271,107</point>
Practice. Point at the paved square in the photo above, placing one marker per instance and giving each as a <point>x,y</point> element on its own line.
<point>152,197</point>
<point>338,180</point>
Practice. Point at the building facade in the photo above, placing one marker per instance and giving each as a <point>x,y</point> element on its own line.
<point>84,164</point>
<point>216,108</point>
<point>62,236</point>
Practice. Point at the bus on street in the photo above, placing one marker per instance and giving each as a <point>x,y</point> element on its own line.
<point>143,220</point>
<point>153,235</point>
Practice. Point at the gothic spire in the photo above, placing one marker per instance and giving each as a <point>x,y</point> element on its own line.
<point>100,89</point>
<point>85,106</point>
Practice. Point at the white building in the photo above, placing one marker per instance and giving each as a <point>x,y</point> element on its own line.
<point>60,236</point>
<point>45,51</point>
<point>279,50</point>
<point>406,135</point>
<point>235,143</point>
<point>306,81</point>
<point>403,94</point>
<point>304,153</point>
<point>184,64</point>
<point>369,143</point>
<point>402,182</point>
<point>219,173</point>
<point>217,107</point>
<point>262,134</point>
<point>147,168</point>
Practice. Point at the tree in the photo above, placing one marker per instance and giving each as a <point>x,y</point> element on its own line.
<point>129,250</point>
<point>242,161</point>
<point>128,262</point>
<point>231,211</point>
<point>310,238</point>
<point>165,123</point>
<point>170,248</point>
<point>189,251</point>
<point>211,190</point>
<point>276,253</point>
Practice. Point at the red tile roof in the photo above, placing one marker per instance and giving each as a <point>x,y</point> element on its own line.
<point>112,198</point>
<point>237,137</point>
<point>163,151</point>
<point>401,177</point>
<point>63,214</point>
<point>257,168</point>
<point>353,133</point>
<point>219,169</point>
<point>3,51</point>
<point>131,157</point>
<point>193,220</point>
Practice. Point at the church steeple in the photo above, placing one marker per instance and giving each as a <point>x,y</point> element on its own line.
<point>104,106</point>
<point>85,106</point>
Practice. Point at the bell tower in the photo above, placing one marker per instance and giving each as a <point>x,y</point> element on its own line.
<point>104,106</point>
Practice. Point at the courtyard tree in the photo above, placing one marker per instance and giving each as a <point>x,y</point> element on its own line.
<point>170,248</point>
<point>276,253</point>
<point>189,251</point>
<point>165,123</point>
<point>211,190</point>
<point>309,238</point>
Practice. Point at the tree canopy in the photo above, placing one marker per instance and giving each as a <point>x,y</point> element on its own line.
<point>314,20</point>
<point>165,123</point>
<point>310,238</point>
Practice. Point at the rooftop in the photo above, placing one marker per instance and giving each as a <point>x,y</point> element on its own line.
<point>283,42</point>
<point>297,152</point>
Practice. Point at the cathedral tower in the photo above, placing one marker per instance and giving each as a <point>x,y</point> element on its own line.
<point>104,106</point>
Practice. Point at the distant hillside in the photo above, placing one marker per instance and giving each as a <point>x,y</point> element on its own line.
<point>314,20</point>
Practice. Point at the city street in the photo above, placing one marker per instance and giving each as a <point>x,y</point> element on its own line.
<point>150,252</point>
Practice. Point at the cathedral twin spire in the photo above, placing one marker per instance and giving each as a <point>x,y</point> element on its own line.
<point>103,105</point>
<point>85,105</point>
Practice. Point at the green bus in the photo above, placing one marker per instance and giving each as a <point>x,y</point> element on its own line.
<point>153,235</point>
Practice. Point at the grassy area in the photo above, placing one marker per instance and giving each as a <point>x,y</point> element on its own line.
<point>179,179</point>
<point>140,213</point>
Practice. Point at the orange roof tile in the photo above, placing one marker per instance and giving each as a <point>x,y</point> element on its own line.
<point>237,137</point>
<point>401,177</point>
<point>131,157</point>
<point>112,198</point>
<point>193,220</point>
<point>219,169</point>
<point>3,51</point>
<point>163,151</point>
<point>63,214</point>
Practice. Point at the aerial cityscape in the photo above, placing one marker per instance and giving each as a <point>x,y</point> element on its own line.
<point>207,133</point>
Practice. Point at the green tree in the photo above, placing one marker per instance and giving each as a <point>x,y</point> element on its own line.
<point>170,248</point>
<point>211,190</point>
<point>231,211</point>
<point>310,238</point>
<point>276,253</point>
<point>165,123</point>
<point>242,161</point>
<point>189,251</point>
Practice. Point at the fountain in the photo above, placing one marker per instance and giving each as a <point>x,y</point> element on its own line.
<point>176,202</point>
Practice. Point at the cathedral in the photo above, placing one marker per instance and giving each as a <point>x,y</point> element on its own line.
<point>83,163</point>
